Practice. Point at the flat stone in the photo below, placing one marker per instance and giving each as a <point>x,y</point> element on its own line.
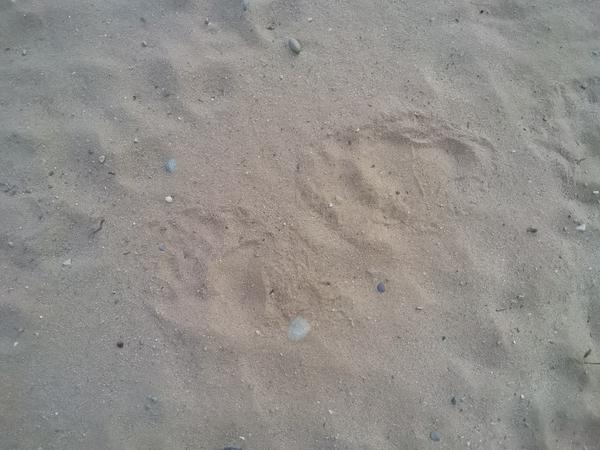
<point>435,436</point>
<point>171,165</point>
<point>298,329</point>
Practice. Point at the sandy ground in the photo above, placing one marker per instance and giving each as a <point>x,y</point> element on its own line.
<point>447,149</point>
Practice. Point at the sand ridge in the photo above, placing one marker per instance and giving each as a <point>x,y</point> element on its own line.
<point>416,144</point>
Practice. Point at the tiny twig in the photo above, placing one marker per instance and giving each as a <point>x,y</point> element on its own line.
<point>93,233</point>
<point>592,363</point>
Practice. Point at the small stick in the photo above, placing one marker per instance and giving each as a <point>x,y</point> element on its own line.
<point>592,363</point>
<point>93,233</point>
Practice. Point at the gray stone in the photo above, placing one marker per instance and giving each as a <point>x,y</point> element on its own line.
<point>294,45</point>
<point>299,329</point>
<point>171,165</point>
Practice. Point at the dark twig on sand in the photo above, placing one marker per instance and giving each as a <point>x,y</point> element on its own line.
<point>93,233</point>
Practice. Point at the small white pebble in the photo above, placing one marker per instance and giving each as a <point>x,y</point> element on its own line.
<point>67,262</point>
<point>24,52</point>
<point>169,199</point>
<point>522,397</point>
<point>15,344</point>
<point>102,158</point>
<point>310,19</point>
<point>144,44</point>
<point>135,140</point>
<point>580,227</point>
<point>596,192</point>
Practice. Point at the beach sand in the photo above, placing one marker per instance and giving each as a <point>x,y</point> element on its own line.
<point>449,150</point>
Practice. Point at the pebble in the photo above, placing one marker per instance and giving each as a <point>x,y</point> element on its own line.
<point>144,44</point>
<point>162,247</point>
<point>381,287</point>
<point>102,158</point>
<point>136,140</point>
<point>24,52</point>
<point>435,436</point>
<point>580,227</point>
<point>299,329</point>
<point>245,4</point>
<point>67,263</point>
<point>294,45</point>
<point>596,192</point>
<point>232,448</point>
<point>169,199</point>
<point>171,165</point>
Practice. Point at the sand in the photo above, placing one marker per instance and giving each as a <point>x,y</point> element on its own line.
<point>447,149</point>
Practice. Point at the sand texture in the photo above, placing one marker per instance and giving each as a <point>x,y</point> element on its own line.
<point>447,149</point>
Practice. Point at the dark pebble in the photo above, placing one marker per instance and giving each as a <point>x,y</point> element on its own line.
<point>435,436</point>
<point>453,400</point>
<point>120,344</point>
<point>380,287</point>
<point>532,230</point>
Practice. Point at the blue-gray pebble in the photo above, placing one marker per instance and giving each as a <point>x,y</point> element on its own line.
<point>294,45</point>
<point>162,247</point>
<point>171,165</point>
<point>435,436</point>
<point>299,329</point>
<point>381,287</point>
